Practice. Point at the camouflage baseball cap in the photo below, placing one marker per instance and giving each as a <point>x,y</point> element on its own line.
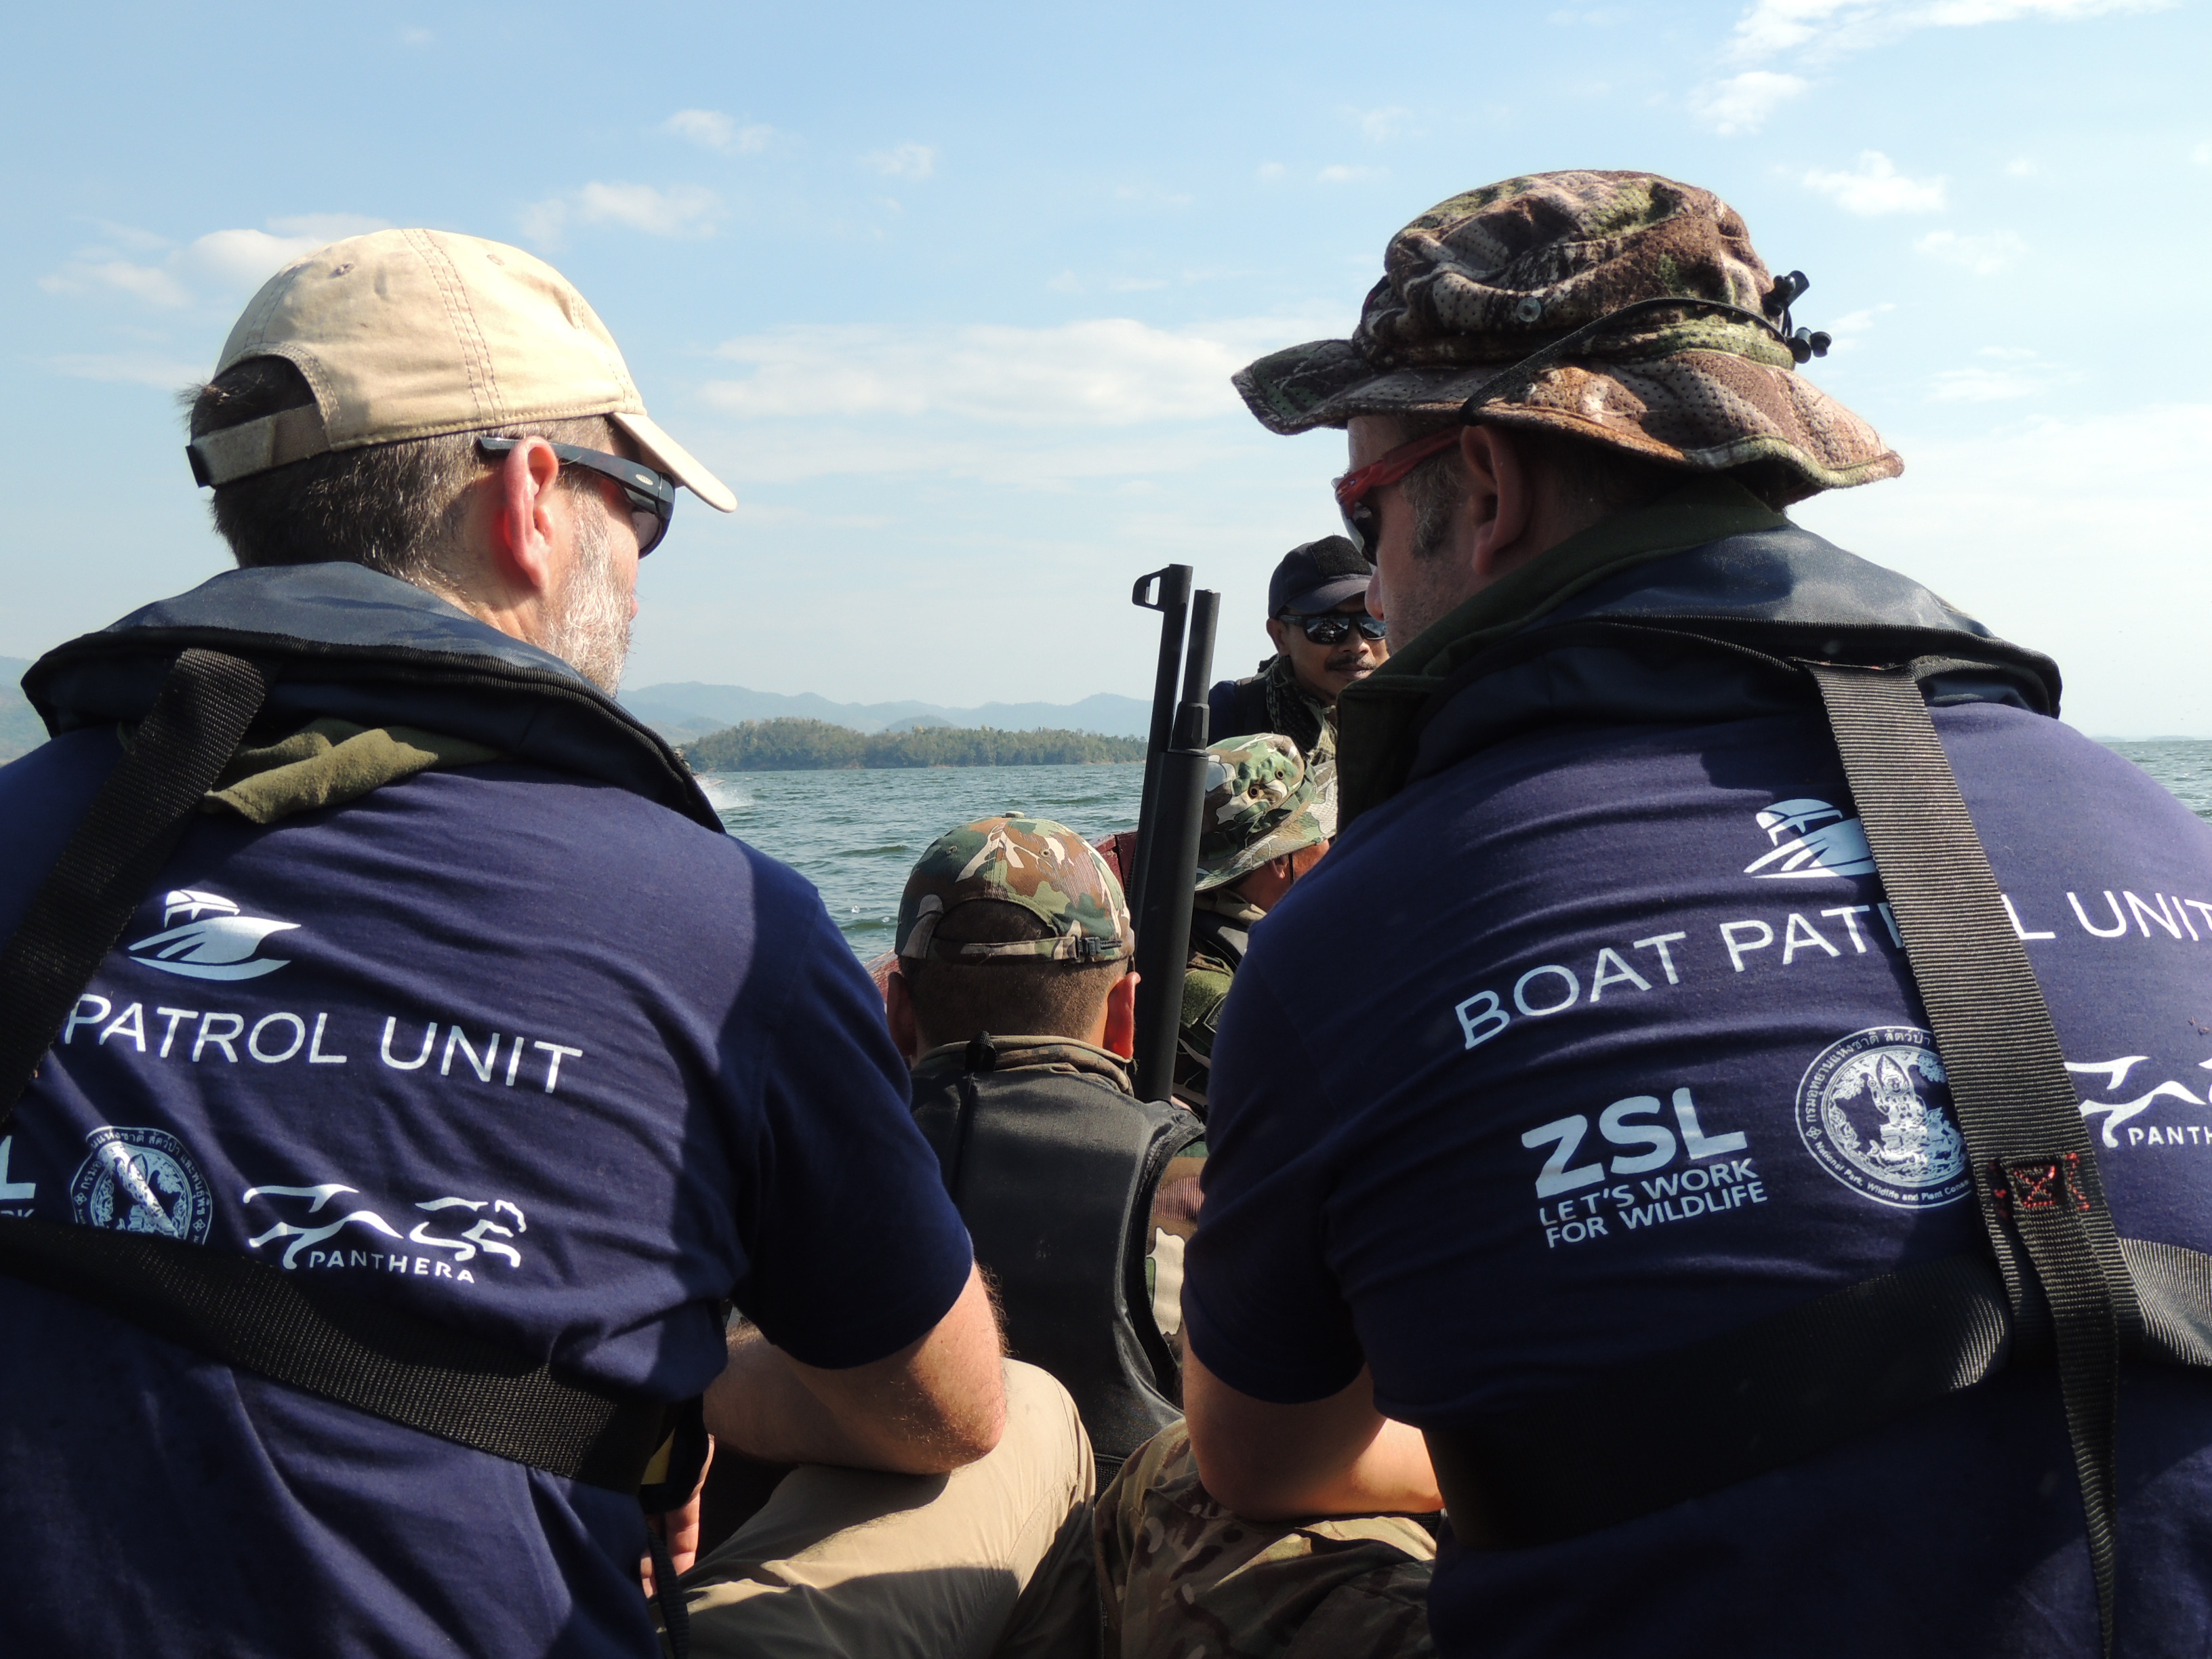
<point>1044,868</point>
<point>1478,285</point>
<point>1262,801</point>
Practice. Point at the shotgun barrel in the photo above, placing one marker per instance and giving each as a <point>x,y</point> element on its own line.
<point>1167,871</point>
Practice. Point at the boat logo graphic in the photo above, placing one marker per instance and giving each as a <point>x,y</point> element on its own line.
<point>1875,1110</point>
<point>213,941</point>
<point>142,1180</point>
<point>1811,838</point>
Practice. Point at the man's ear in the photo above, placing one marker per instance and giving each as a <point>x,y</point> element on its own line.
<point>1278,632</point>
<point>1120,1034</point>
<point>899,1014</point>
<point>522,524</point>
<point>1498,508</point>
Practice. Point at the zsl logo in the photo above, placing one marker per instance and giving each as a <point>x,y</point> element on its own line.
<point>1655,1143</point>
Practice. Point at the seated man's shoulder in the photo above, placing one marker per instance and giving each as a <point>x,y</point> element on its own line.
<point>612,843</point>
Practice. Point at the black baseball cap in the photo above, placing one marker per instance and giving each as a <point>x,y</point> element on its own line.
<point>1318,576</point>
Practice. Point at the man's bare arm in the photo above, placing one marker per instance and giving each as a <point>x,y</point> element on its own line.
<point>1334,1456</point>
<point>935,1404</point>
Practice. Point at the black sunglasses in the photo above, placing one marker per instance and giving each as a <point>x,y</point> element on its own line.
<point>1335,627</point>
<point>651,495</point>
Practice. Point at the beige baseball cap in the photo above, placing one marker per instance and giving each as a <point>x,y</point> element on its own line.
<point>410,333</point>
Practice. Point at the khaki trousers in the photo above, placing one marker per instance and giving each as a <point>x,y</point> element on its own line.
<point>992,1561</point>
<point>1184,1578</point>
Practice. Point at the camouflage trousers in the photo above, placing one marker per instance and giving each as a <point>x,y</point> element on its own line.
<point>1181,1578</point>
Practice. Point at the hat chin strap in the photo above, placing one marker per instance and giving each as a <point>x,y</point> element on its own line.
<point>274,441</point>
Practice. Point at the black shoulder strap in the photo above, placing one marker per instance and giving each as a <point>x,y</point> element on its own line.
<point>249,1313</point>
<point>1810,1378</point>
<point>2033,1167</point>
<point>85,903</point>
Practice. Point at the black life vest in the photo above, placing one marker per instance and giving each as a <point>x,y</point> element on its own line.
<point>336,639</point>
<point>1055,1174</point>
<point>1237,708</point>
<point>1215,935</point>
<point>1756,624</point>
<point>343,641</point>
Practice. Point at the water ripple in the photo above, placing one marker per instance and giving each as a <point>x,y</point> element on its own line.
<point>855,834</point>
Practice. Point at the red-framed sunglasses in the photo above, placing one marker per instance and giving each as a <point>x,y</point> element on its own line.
<point>1354,489</point>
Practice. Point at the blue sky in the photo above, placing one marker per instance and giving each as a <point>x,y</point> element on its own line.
<point>949,295</point>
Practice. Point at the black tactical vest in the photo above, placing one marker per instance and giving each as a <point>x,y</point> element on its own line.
<point>1215,935</point>
<point>1054,1176</point>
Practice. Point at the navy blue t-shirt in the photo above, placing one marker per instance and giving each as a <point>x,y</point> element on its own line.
<point>1600,1043</point>
<point>518,1051</point>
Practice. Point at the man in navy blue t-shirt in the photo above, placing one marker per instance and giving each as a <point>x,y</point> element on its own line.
<point>457,999</point>
<point>1594,1037</point>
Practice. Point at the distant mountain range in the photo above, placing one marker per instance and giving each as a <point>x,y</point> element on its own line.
<point>683,711</point>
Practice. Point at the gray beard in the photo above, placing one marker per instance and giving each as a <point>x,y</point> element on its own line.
<point>590,631</point>
<point>1436,590</point>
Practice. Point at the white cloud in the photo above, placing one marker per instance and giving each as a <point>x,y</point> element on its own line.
<point>129,367</point>
<point>1982,385</point>
<point>2202,155</point>
<point>1152,195</point>
<point>1848,330</point>
<point>1381,125</point>
<point>2008,519</point>
<point>1742,102</point>
<point>907,160</point>
<point>679,210</point>
<point>710,129</point>
<point>131,240</point>
<point>217,265</point>
<point>1826,28</point>
<point>1877,187</point>
<point>153,285</point>
<point>416,36</point>
<point>2021,167</point>
<point>2018,372</point>
<point>1343,175</point>
<point>1984,254</point>
<point>1269,171</point>
<point>1109,372</point>
<point>246,259</point>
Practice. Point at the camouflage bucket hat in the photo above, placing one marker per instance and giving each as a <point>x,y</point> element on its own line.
<point>1044,868</point>
<point>1482,293</point>
<point>1262,801</point>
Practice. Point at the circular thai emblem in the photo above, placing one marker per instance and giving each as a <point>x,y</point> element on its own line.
<point>1875,1110</point>
<point>142,1180</point>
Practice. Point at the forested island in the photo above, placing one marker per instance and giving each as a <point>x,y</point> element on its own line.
<point>801,745</point>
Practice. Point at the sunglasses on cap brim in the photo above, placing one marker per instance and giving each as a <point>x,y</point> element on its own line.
<point>651,495</point>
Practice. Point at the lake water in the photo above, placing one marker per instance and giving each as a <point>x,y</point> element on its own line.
<point>856,835</point>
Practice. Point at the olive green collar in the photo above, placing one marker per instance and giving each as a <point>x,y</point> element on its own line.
<point>328,763</point>
<point>1376,716</point>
